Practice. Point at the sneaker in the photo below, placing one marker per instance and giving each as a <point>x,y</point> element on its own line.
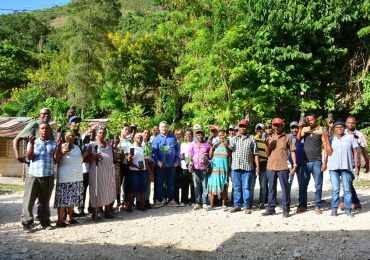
<point>349,214</point>
<point>333,213</point>
<point>27,227</point>
<point>341,206</point>
<point>61,224</point>
<point>248,211</point>
<point>261,206</point>
<point>301,210</point>
<point>318,211</point>
<point>205,206</point>
<point>209,208</point>
<point>233,210</point>
<point>196,206</point>
<point>158,204</point>
<point>172,203</point>
<point>72,221</point>
<point>181,204</point>
<point>286,214</point>
<point>225,208</point>
<point>268,213</point>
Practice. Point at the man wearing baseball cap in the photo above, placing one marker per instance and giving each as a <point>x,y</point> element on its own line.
<point>277,167</point>
<point>314,164</point>
<point>245,154</point>
<point>231,133</point>
<point>262,147</point>
<point>301,175</point>
<point>199,152</point>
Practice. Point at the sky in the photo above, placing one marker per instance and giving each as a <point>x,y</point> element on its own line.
<point>28,5</point>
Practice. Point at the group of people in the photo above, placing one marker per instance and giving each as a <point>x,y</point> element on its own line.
<point>187,168</point>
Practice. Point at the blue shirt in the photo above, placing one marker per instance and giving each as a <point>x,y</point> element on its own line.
<point>342,156</point>
<point>172,155</point>
<point>298,151</point>
<point>42,165</point>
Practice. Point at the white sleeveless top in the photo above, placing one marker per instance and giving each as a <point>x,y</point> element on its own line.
<point>70,167</point>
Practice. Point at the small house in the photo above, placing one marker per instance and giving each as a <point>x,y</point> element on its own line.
<point>9,129</point>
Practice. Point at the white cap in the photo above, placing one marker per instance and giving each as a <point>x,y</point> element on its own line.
<point>196,127</point>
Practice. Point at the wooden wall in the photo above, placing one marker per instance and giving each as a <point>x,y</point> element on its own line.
<point>9,166</point>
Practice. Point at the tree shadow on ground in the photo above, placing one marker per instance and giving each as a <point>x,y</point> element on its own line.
<point>252,245</point>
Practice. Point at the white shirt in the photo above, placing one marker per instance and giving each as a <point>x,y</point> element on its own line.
<point>184,149</point>
<point>125,148</point>
<point>69,167</point>
<point>361,141</point>
<point>138,156</point>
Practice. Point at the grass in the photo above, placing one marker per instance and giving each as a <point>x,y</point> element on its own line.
<point>10,188</point>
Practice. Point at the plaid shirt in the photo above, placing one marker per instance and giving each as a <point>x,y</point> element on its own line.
<point>42,165</point>
<point>244,149</point>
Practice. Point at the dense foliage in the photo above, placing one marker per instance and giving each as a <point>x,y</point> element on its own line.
<point>193,61</point>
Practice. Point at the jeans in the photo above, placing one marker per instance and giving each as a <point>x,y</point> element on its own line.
<point>335,178</point>
<point>34,187</point>
<point>272,177</point>
<point>303,179</point>
<point>263,185</point>
<point>200,186</point>
<point>165,176</point>
<point>252,185</point>
<point>314,168</point>
<point>242,184</point>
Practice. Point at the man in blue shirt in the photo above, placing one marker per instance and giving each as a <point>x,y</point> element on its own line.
<point>166,151</point>
<point>41,153</point>
<point>301,173</point>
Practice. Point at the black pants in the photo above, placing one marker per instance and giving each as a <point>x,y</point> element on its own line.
<point>272,177</point>
<point>125,171</point>
<point>177,184</point>
<point>41,188</point>
<point>86,185</point>
<point>186,180</point>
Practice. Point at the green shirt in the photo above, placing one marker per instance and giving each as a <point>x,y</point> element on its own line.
<point>34,124</point>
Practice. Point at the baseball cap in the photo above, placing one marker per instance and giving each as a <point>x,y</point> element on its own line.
<point>198,130</point>
<point>293,123</point>
<point>336,123</point>
<point>277,121</point>
<point>259,125</point>
<point>196,127</point>
<point>132,126</point>
<point>232,127</point>
<point>243,122</point>
<point>74,119</point>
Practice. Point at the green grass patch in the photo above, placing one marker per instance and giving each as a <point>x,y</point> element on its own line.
<point>361,184</point>
<point>9,188</point>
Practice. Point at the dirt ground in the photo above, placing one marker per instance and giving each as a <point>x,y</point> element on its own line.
<point>182,233</point>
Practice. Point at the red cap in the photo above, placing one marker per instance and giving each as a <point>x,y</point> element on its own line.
<point>243,122</point>
<point>277,121</point>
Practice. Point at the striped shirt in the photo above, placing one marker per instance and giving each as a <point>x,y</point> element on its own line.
<point>42,165</point>
<point>262,148</point>
<point>244,149</point>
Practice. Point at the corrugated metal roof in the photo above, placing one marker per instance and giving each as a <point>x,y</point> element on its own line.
<point>11,126</point>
